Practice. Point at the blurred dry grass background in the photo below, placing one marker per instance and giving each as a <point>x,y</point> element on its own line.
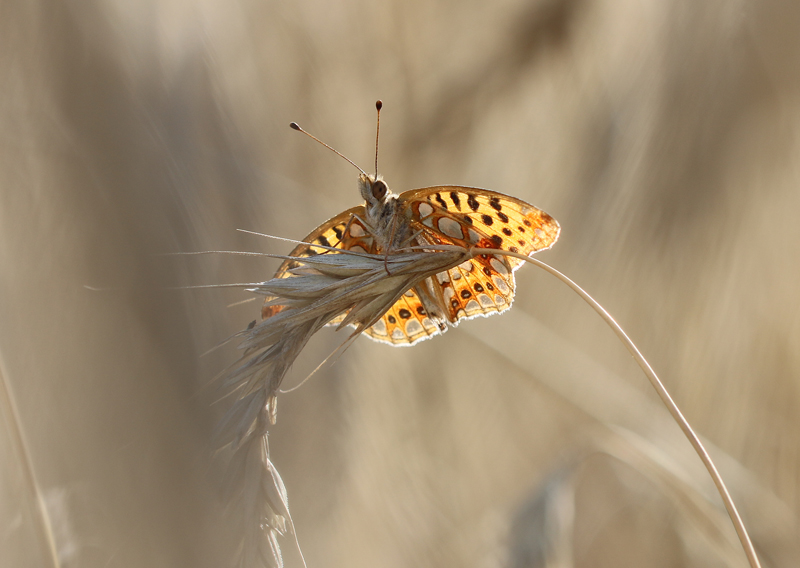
<point>662,135</point>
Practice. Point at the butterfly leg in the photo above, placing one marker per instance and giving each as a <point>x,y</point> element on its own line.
<point>408,241</point>
<point>347,226</point>
<point>366,231</point>
<point>388,249</point>
<point>366,226</point>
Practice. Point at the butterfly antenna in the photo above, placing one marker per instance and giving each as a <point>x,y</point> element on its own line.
<point>296,126</point>
<point>378,105</point>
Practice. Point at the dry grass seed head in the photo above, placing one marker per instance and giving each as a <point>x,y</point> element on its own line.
<point>359,287</point>
<point>320,289</point>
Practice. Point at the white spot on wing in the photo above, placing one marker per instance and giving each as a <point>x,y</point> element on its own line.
<point>448,293</point>
<point>379,327</point>
<point>472,306</point>
<point>539,232</point>
<point>499,300</point>
<point>398,333</point>
<point>443,277</point>
<point>500,284</point>
<point>450,228</point>
<point>409,294</point>
<point>498,265</point>
<point>461,314</point>
<point>428,222</point>
<point>474,237</point>
<point>466,266</point>
<point>485,301</point>
<point>425,209</point>
<point>413,327</point>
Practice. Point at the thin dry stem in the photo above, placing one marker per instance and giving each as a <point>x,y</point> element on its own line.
<point>362,286</point>
<point>32,485</point>
<point>736,519</point>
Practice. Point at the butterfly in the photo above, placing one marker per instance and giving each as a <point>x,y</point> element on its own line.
<point>440,215</point>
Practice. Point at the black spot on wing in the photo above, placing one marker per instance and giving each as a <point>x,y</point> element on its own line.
<point>404,313</point>
<point>478,288</point>
<point>467,219</point>
<point>487,220</point>
<point>494,202</point>
<point>472,202</point>
<point>456,200</point>
<point>323,240</point>
<point>503,217</point>
<point>465,294</point>
<point>497,240</point>
<point>391,319</point>
<point>338,231</point>
<point>507,231</point>
<point>441,201</point>
<point>421,310</point>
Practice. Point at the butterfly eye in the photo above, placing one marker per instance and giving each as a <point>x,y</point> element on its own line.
<point>379,189</point>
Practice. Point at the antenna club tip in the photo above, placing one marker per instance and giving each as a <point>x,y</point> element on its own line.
<point>294,126</point>
<point>379,104</point>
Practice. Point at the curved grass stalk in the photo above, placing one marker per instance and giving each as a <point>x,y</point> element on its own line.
<point>736,519</point>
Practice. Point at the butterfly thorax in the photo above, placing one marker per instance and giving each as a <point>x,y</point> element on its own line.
<point>388,225</point>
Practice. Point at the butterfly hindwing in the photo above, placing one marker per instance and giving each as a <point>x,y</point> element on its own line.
<point>481,286</point>
<point>406,322</point>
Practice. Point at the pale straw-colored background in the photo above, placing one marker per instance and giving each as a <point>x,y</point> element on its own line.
<point>665,138</point>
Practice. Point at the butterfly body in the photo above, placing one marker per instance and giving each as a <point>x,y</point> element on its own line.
<point>440,215</point>
<point>384,217</point>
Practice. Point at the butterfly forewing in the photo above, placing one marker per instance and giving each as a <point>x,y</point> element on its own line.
<point>472,217</point>
<point>343,231</point>
<point>479,216</point>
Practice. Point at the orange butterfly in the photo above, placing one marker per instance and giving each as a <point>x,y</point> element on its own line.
<point>442,215</point>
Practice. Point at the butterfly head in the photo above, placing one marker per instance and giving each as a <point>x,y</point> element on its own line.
<point>373,190</point>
